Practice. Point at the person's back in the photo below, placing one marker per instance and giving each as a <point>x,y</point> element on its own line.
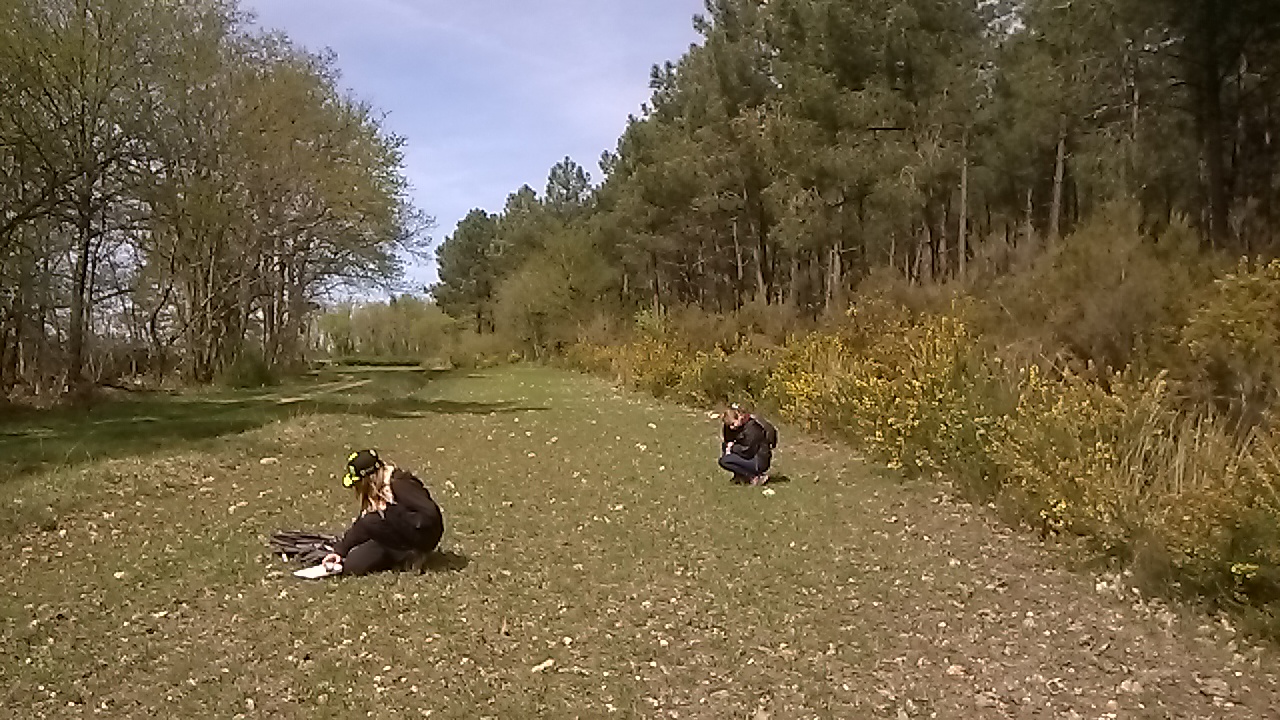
<point>770,432</point>
<point>770,442</point>
<point>413,512</point>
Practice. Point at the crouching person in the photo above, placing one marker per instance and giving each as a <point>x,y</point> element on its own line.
<point>398,518</point>
<point>748,446</point>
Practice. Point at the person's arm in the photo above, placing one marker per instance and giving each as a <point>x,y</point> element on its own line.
<point>749,442</point>
<point>731,437</point>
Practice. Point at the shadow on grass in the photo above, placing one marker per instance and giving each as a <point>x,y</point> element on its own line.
<point>444,561</point>
<point>773,480</point>
<point>32,441</point>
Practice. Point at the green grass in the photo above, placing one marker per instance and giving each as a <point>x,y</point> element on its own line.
<point>586,527</point>
<point>33,441</point>
<point>379,362</point>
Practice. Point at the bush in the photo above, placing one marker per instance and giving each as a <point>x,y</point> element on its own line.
<point>1233,345</point>
<point>375,361</point>
<point>1115,462</point>
<point>1105,297</point>
<point>250,369</point>
<point>717,377</point>
<point>469,350</point>
<point>695,329</point>
<point>768,324</point>
<point>1098,446</point>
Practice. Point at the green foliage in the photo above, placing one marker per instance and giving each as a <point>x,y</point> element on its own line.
<point>223,172</point>
<point>936,384</point>
<point>568,188</point>
<point>404,327</point>
<point>249,370</point>
<point>467,269</point>
<point>1106,297</point>
<point>542,305</point>
<point>1233,343</point>
<point>469,350</point>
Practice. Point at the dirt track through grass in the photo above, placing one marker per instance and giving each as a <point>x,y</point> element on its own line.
<point>598,565</point>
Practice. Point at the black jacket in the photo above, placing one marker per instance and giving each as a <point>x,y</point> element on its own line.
<point>753,440</point>
<point>411,522</point>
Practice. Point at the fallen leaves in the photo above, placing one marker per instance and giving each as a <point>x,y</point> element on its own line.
<point>649,606</point>
<point>1215,687</point>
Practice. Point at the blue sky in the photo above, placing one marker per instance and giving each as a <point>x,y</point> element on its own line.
<point>489,94</point>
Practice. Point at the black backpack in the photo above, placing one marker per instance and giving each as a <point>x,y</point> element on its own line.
<point>770,432</point>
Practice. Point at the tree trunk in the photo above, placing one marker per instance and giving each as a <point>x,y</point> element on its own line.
<point>1029,227</point>
<point>737,254</point>
<point>1215,167</point>
<point>1266,211</point>
<point>657,283</point>
<point>17,309</point>
<point>793,289</point>
<point>79,301</point>
<point>762,289</point>
<point>1059,174</point>
<point>834,277</point>
<point>1212,141</point>
<point>40,361</point>
<point>1135,116</point>
<point>917,272</point>
<point>941,256</point>
<point>701,273</point>
<point>928,248</point>
<point>159,360</point>
<point>10,346</point>
<point>962,236</point>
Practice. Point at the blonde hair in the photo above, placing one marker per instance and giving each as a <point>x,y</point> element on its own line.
<point>732,414</point>
<point>375,490</point>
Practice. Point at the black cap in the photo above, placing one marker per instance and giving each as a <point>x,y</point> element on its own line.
<point>360,465</point>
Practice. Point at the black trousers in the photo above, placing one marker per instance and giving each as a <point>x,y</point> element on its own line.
<point>371,557</point>
<point>744,469</point>
<point>387,547</point>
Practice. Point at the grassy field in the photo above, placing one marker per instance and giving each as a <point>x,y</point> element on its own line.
<point>597,564</point>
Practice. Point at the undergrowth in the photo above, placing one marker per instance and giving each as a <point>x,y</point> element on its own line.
<point>1148,432</point>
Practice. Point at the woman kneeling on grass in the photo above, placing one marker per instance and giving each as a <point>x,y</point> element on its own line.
<point>398,519</point>
<point>748,444</point>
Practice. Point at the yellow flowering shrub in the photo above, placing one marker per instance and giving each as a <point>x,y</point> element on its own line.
<point>1233,342</point>
<point>904,390</point>
<point>1113,456</point>
<point>1069,445</point>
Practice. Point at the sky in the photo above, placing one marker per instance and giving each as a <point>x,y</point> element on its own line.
<point>489,94</point>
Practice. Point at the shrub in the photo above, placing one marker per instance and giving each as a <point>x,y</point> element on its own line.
<point>1233,344</point>
<point>250,369</point>
<point>1105,296</point>
<point>719,377</point>
<point>1099,446</point>
<point>469,349</point>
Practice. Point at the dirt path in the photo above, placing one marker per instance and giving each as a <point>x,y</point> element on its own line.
<point>608,569</point>
<point>971,620</point>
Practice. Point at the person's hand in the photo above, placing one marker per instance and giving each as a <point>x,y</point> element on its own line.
<point>331,560</point>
